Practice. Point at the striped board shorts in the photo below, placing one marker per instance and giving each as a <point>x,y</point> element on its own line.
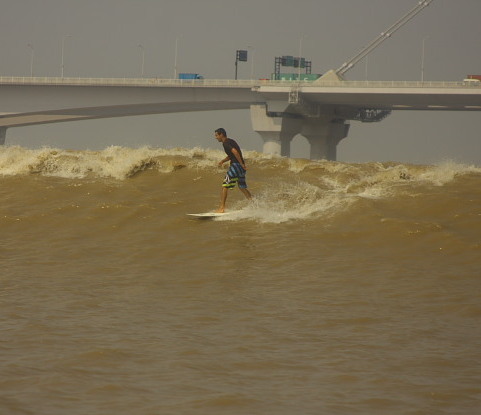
<point>236,175</point>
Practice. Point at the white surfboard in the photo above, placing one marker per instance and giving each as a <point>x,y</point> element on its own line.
<point>208,215</point>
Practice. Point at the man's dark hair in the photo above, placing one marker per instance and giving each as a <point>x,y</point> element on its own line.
<point>221,131</point>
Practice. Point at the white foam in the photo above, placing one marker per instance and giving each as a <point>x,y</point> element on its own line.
<point>115,162</point>
<point>339,186</point>
<point>446,172</point>
<point>287,202</point>
<point>292,189</point>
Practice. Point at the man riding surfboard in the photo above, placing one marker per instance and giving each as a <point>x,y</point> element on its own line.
<point>236,175</point>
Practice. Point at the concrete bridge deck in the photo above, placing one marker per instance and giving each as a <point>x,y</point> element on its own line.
<point>27,101</point>
<point>279,109</point>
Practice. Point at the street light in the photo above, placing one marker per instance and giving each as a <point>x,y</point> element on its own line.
<point>63,47</point>
<point>365,68</point>
<point>175,56</point>
<point>143,59</point>
<point>300,54</point>
<point>422,59</point>
<point>31,58</point>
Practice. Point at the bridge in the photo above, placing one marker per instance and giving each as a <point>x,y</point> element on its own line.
<point>319,110</point>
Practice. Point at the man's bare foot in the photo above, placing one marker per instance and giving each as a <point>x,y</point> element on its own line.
<point>220,210</point>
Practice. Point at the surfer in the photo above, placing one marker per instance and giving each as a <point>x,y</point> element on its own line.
<point>237,170</point>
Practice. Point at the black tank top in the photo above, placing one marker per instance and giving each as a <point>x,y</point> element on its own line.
<point>229,144</point>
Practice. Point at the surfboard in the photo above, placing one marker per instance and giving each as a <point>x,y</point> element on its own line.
<point>207,215</point>
<point>211,215</point>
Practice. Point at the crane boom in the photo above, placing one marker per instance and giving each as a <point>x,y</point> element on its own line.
<point>382,37</point>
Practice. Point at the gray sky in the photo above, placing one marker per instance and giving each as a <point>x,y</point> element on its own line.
<point>106,34</point>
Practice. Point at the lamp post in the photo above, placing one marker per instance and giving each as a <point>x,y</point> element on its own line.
<point>300,54</point>
<point>176,55</point>
<point>63,48</point>
<point>31,59</point>
<point>143,60</point>
<point>422,58</point>
<point>365,68</point>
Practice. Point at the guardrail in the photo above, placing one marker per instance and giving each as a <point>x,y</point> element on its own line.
<point>135,82</point>
<point>223,83</point>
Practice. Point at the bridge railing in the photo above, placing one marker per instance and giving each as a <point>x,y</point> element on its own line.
<point>142,82</point>
<point>226,83</point>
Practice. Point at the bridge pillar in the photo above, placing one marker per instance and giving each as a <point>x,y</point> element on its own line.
<point>3,135</point>
<point>324,135</point>
<point>276,131</point>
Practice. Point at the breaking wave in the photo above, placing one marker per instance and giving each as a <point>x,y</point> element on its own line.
<point>285,189</point>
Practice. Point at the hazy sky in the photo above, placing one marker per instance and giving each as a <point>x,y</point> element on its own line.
<point>104,39</point>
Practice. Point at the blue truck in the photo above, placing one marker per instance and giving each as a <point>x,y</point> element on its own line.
<point>190,76</point>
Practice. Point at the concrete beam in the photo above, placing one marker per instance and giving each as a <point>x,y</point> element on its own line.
<point>89,113</point>
<point>31,98</point>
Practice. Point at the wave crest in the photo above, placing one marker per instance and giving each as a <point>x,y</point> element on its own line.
<point>121,163</point>
<point>113,162</point>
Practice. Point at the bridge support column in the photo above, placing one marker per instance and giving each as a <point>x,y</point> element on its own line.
<point>3,135</point>
<point>324,135</point>
<point>276,131</point>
